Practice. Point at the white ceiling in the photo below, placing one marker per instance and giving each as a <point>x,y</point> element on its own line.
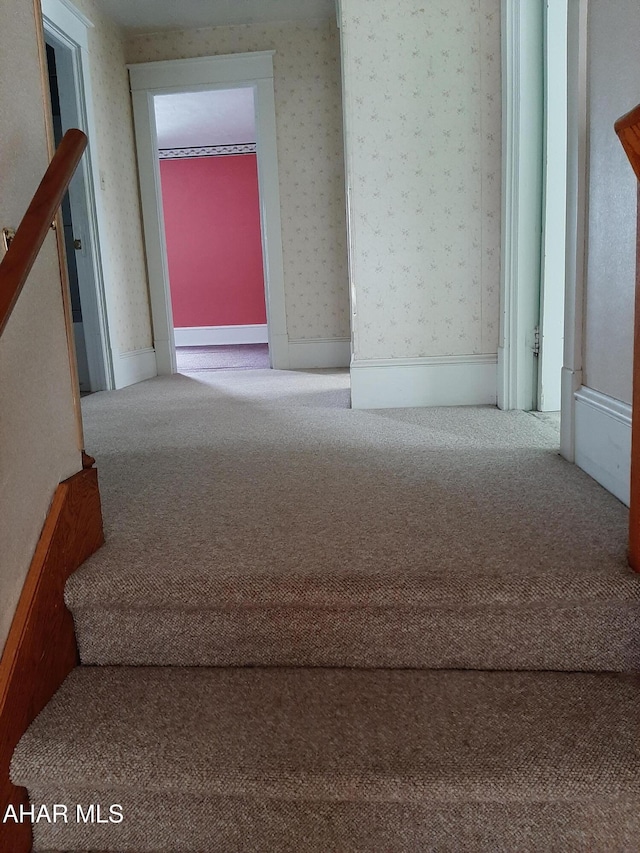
<point>152,15</point>
<point>222,117</point>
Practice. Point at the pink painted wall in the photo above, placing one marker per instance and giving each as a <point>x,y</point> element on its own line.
<point>214,251</point>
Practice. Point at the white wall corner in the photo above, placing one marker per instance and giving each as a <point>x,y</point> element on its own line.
<point>603,440</point>
<point>467,380</point>
<point>204,336</point>
<point>571,381</point>
<point>134,366</point>
<point>319,353</point>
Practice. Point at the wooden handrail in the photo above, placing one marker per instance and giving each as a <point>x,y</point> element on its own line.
<point>23,251</point>
<point>628,129</point>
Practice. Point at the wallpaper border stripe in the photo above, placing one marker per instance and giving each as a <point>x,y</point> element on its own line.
<point>207,151</point>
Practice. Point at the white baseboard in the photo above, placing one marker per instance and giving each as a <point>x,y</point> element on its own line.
<point>207,336</point>
<point>318,353</point>
<point>603,440</point>
<point>464,380</point>
<point>135,366</point>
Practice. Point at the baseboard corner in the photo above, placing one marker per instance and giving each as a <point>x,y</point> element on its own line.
<point>135,366</point>
<point>603,440</point>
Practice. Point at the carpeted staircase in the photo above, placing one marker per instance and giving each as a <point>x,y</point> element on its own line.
<point>316,629</point>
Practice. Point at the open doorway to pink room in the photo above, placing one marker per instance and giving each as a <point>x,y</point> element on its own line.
<point>211,207</point>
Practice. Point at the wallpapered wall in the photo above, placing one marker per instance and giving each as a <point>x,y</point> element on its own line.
<point>423,138</point>
<point>614,89</point>
<point>310,157</point>
<point>214,247</point>
<point>121,240</point>
<point>38,439</point>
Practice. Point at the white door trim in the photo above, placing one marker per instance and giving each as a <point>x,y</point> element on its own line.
<point>188,75</point>
<point>554,207</point>
<point>66,25</point>
<point>513,386</point>
<point>522,123</point>
<point>577,187</point>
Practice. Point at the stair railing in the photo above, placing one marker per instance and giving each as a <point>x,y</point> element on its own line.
<point>628,129</point>
<point>30,235</point>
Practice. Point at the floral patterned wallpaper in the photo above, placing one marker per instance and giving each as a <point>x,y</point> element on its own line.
<point>121,242</point>
<point>423,140</point>
<point>310,156</point>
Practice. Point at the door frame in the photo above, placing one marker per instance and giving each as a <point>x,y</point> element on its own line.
<point>243,70</point>
<point>554,207</point>
<point>577,192</point>
<point>522,153</point>
<point>68,28</point>
<point>522,78</point>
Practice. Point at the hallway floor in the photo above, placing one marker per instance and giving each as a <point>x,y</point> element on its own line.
<point>320,630</point>
<point>223,357</point>
<point>264,486</point>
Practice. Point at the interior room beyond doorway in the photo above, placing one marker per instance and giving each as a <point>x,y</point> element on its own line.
<point>207,155</point>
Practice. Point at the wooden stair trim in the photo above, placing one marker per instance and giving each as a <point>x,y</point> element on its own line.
<point>628,129</point>
<point>41,648</point>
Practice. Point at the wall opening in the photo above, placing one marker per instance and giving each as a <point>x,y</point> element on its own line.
<point>56,56</point>
<point>65,37</point>
<point>207,152</point>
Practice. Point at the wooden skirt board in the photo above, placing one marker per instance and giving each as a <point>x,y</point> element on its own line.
<point>41,649</point>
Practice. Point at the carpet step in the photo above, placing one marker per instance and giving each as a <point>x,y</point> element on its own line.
<point>334,761</point>
<point>565,622</point>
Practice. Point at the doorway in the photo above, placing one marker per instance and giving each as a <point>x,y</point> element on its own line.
<point>65,42</point>
<point>150,82</point>
<point>538,308</point>
<point>207,152</point>
<point>549,335</point>
<point>72,243</point>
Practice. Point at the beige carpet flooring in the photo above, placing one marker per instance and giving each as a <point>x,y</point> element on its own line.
<point>255,519</point>
<point>338,761</point>
<point>381,572</point>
